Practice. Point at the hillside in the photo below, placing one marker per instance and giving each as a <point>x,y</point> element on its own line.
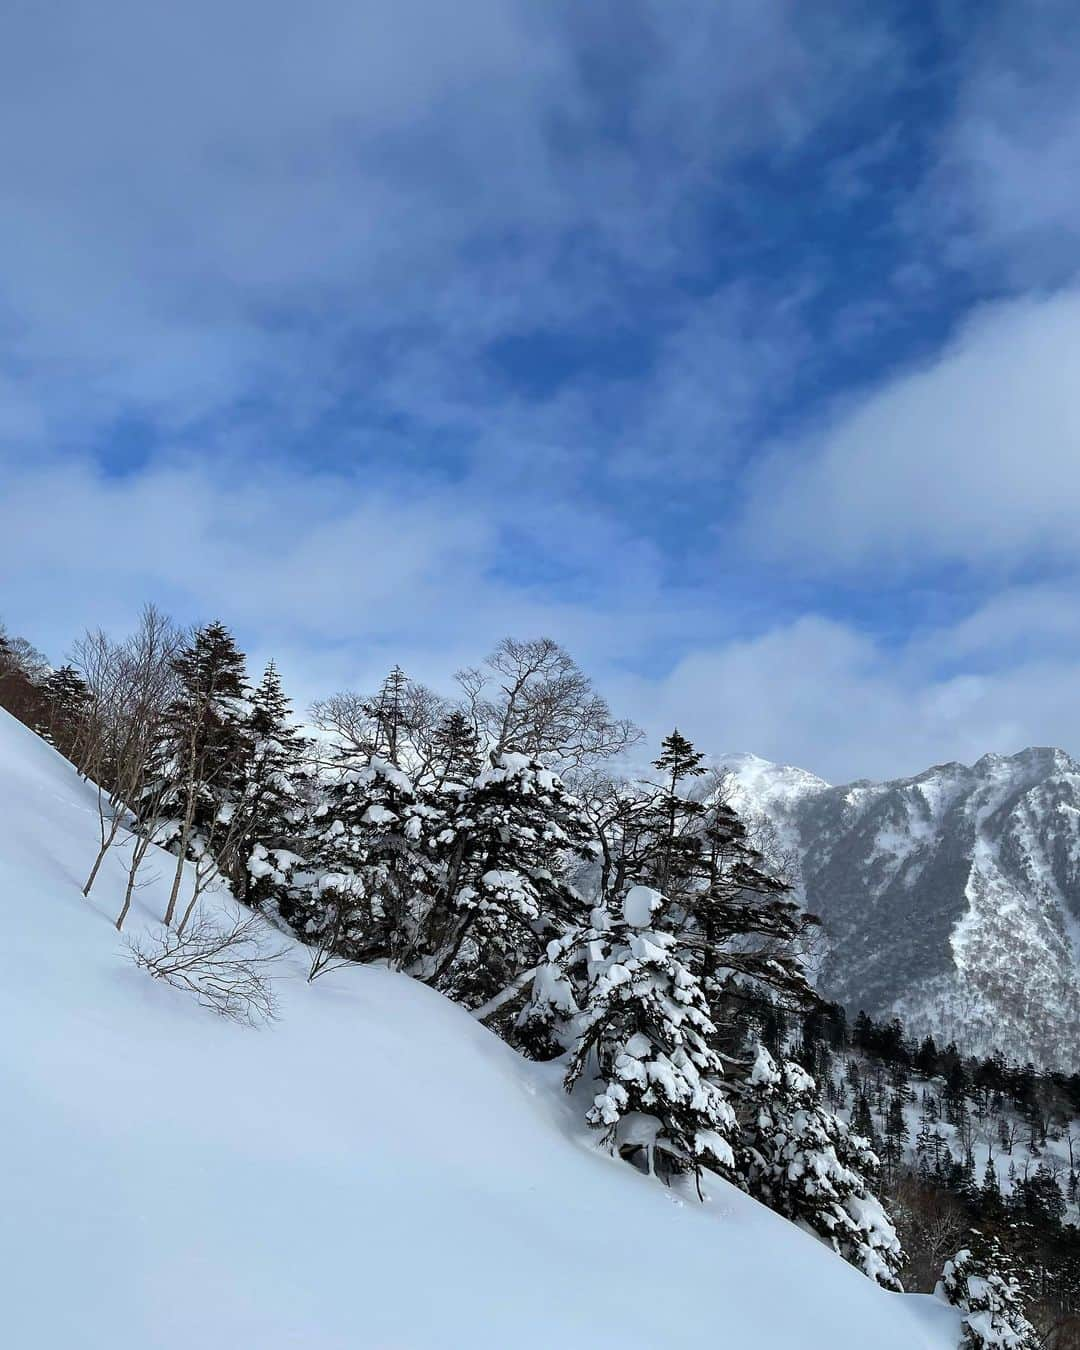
<point>373,1169</point>
<point>951,897</point>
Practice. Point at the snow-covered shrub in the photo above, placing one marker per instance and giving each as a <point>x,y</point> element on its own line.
<point>991,1302</point>
<point>804,1162</point>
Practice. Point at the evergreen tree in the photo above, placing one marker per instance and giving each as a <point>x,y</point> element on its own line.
<point>990,1298</point>
<point>505,847</point>
<point>990,1191</point>
<point>1038,1198</point>
<point>455,751</point>
<point>674,812</point>
<point>65,706</point>
<point>956,1089</point>
<point>926,1058</point>
<point>273,794</point>
<point>388,709</point>
<point>802,1161</point>
<point>369,872</point>
<point>862,1120</point>
<point>190,801</point>
<point>739,926</point>
<point>896,1133</point>
<point>642,1034</point>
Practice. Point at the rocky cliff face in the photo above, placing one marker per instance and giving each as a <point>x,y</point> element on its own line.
<point>952,897</point>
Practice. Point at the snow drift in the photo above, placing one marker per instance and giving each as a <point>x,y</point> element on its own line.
<point>374,1169</point>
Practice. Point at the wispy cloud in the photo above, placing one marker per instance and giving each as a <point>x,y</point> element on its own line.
<point>386,329</point>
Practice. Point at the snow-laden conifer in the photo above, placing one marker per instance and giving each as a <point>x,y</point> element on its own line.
<point>273,794</point>
<point>802,1161</point>
<point>990,1299</point>
<point>189,802</point>
<point>64,709</point>
<point>641,1033</point>
<point>364,891</point>
<point>507,841</point>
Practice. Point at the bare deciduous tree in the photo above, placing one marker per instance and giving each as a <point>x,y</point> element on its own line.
<point>226,967</point>
<point>23,671</point>
<point>325,951</point>
<point>130,686</point>
<point>217,852</point>
<point>347,717</point>
<point>534,698</point>
<point>359,724</point>
<point>932,1225</point>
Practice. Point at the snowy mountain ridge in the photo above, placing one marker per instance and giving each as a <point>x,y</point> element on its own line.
<point>951,897</point>
<point>373,1170</point>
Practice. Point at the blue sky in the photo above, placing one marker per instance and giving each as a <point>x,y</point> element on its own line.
<point>736,346</point>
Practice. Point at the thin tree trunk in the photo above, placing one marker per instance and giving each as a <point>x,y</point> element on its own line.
<point>185,835</point>
<point>139,849</point>
<point>96,867</point>
<point>107,838</point>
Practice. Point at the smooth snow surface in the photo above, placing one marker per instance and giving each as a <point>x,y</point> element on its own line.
<point>373,1170</point>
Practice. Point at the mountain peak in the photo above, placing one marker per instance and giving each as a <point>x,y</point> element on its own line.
<point>949,897</point>
<point>744,764</point>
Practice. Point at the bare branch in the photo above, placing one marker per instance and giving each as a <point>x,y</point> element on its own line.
<point>225,968</point>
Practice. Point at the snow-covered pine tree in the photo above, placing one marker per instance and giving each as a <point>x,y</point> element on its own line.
<point>982,1286</point>
<point>641,1033</point>
<point>505,847</point>
<point>369,872</point>
<point>189,804</point>
<point>737,924</point>
<point>388,712</point>
<point>802,1161</point>
<point>273,796</point>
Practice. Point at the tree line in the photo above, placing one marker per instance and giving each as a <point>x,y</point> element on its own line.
<point>487,844</point>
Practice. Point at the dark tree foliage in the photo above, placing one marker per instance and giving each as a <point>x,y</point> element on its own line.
<point>64,710</point>
<point>203,745</point>
<point>23,672</point>
<point>274,786</point>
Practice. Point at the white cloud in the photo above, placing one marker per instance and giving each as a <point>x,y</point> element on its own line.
<point>1007,177</point>
<point>819,694</point>
<point>974,458</point>
<point>337,583</point>
<point>247,214</point>
<point>210,199</point>
<point>337,577</point>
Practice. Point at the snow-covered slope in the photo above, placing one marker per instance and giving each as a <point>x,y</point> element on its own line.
<point>372,1170</point>
<point>952,897</point>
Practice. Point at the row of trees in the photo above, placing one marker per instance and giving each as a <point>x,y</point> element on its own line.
<point>483,844</point>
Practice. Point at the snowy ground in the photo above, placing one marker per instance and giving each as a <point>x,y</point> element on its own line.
<point>372,1170</point>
